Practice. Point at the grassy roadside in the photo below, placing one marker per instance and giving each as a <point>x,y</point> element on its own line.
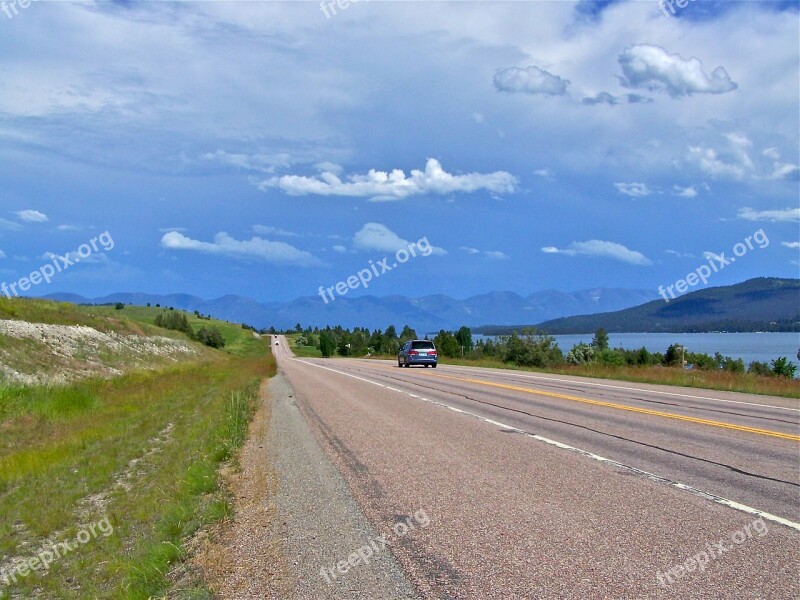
<point>304,351</point>
<point>139,452</point>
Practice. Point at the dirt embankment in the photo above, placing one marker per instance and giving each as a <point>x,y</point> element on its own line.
<point>40,353</point>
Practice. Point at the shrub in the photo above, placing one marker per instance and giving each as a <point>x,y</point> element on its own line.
<point>580,354</point>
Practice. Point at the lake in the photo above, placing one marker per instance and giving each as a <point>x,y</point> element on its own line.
<point>763,347</point>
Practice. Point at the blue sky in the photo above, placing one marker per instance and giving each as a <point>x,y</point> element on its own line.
<point>266,149</point>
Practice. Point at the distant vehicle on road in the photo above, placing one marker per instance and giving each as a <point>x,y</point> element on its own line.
<point>418,352</point>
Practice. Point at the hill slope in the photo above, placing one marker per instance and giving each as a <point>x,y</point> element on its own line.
<point>762,304</point>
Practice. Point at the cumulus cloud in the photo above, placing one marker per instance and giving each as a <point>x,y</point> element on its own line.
<point>379,238</point>
<point>380,185</point>
<point>601,249</point>
<point>31,216</point>
<point>493,254</point>
<point>733,160</point>
<point>786,215</point>
<point>543,173</point>
<point>531,80</point>
<point>277,253</point>
<point>685,192</point>
<point>791,244</point>
<point>635,190</point>
<point>710,162</point>
<point>653,68</point>
<point>339,249</point>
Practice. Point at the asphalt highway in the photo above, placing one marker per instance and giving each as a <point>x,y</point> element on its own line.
<point>547,486</point>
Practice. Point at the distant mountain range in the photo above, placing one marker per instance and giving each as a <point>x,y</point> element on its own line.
<point>425,314</point>
<point>762,304</point>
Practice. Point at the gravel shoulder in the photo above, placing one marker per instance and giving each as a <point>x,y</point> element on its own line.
<point>296,524</point>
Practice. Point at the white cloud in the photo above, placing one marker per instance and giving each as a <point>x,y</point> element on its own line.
<point>378,237</point>
<point>734,161</point>
<point>263,163</point>
<point>635,190</point>
<point>329,167</point>
<point>31,216</point>
<point>380,185</point>
<point>268,230</point>
<point>791,244</point>
<point>9,225</point>
<point>531,80</point>
<point>278,253</point>
<point>478,118</point>
<point>168,229</point>
<point>680,254</point>
<point>710,163</point>
<point>784,171</point>
<point>543,173</point>
<point>685,192</point>
<point>2,254</point>
<point>774,216</point>
<point>340,249</point>
<point>653,68</point>
<point>68,228</point>
<point>493,254</point>
<point>601,249</point>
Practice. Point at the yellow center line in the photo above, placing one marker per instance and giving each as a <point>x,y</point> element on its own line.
<point>645,411</point>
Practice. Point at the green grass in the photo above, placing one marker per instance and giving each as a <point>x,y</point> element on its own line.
<point>238,341</point>
<point>145,446</point>
<point>63,313</point>
<point>304,351</point>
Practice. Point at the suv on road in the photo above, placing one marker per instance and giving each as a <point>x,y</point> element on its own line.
<point>418,352</point>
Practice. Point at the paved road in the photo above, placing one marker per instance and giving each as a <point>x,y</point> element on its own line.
<point>548,486</point>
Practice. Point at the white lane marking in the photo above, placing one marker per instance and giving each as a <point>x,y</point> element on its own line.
<point>630,389</point>
<point>651,476</point>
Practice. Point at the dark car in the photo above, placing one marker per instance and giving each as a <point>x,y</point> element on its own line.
<point>418,352</point>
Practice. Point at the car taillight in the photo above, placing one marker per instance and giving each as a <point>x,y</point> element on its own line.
<point>434,352</point>
<point>412,352</point>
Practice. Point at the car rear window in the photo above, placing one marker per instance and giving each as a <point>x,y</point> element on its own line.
<point>422,345</point>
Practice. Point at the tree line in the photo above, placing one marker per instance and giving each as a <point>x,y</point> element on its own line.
<point>177,321</point>
<point>528,348</point>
